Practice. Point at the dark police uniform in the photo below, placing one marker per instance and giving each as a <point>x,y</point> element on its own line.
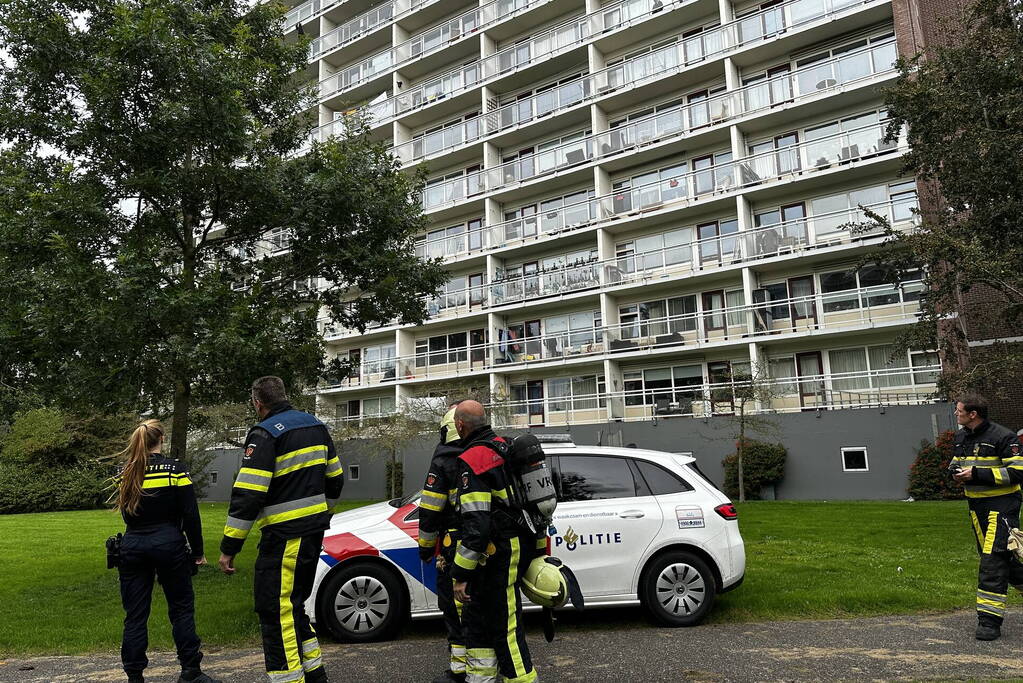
<point>154,546</point>
<point>496,548</point>
<point>289,485</point>
<point>439,522</point>
<point>993,495</point>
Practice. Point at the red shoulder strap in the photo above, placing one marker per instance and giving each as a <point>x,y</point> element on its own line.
<point>482,458</point>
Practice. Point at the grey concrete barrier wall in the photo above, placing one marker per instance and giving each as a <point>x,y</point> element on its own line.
<point>814,440</point>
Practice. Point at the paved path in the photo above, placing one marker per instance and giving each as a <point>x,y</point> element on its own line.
<point>620,645</point>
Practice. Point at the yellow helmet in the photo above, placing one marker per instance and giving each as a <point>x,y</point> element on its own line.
<point>544,584</point>
<point>447,427</point>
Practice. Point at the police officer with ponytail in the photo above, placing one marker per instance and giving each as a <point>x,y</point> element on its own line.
<point>163,541</point>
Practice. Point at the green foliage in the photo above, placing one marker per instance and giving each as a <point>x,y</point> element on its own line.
<point>50,460</point>
<point>929,478</point>
<point>963,105</point>
<point>146,150</point>
<point>41,488</point>
<point>763,464</point>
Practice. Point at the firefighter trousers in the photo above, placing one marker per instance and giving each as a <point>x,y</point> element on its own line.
<point>495,637</point>
<point>159,553</point>
<point>447,606</point>
<point>285,569</point>
<point>998,567</point>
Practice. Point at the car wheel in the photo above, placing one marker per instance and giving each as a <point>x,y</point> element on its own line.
<point>362,602</point>
<point>678,589</point>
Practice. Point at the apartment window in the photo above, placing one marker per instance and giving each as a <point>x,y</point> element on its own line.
<point>566,333</point>
<point>783,368</point>
<point>441,349</point>
<point>378,358</point>
<point>717,240</point>
<point>377,407</point>
<point>854,459</point>
<point>680,384</point>
<point>735,299</point>
<point>214,476</point>
<point>576,393</point>
<point>851,367</point>
<point>838,289</point>
<point>353,472</point>
<point>831,212</point>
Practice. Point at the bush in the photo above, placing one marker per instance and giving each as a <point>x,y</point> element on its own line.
<point>929,478</point>
<point>38,488</point>
<point>763,464</point>
<point>50,460</point>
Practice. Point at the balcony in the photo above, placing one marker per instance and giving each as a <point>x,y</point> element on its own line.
<point>795,237</point>
<point>362,25</point>
<point>853,309</point>
<point>852,70</point>
<point>888,387</point>
<point>804,158</point>
<point>656,65</point>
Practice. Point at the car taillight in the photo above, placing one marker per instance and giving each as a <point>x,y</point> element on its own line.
<point>727,511</point>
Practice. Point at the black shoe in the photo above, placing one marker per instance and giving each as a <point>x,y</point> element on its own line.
<point>136,678</point>
<point>988,631</point>
<point>450,676</point>
<point>195,677</point>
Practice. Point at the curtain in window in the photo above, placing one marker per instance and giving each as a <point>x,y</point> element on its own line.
<point>849,361</point>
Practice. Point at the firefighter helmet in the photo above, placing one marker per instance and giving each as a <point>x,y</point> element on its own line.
<point>448,432</point>
<point>544,584</point>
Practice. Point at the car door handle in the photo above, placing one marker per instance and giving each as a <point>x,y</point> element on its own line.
<point>632,514</point>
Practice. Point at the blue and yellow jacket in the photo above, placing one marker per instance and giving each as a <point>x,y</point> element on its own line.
<point>290,480</point>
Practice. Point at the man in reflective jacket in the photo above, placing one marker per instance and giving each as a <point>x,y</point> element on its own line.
<point>990,467</point>
<point>440,531</point>
<point>289,485</point>
<point>496,548</point>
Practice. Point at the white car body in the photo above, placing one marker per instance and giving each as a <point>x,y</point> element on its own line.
<point>606,542</point>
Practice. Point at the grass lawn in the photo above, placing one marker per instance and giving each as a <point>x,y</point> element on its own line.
<point>837,559</point>
<point>57,595</point>
<point>804,559</point>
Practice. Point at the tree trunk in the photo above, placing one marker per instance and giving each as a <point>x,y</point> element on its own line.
<point>179,421</point>
<point>739,451</point>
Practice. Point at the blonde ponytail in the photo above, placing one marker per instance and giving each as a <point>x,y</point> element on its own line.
<point>142,442</point>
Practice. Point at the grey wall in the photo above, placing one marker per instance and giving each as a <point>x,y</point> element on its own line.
<point>813,440</point>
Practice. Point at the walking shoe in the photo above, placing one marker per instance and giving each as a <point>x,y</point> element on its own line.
<point>136,678</point>
<point>988,631</point>
<point>194,676</point>
<point>450,676</point>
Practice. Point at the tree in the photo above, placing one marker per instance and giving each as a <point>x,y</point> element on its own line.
<point>748,394</point>
<point>963,105</point>
<point>146,152</point>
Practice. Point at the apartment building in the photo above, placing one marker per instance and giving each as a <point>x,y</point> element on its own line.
<point>642,204</point>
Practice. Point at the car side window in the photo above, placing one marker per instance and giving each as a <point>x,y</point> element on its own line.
<point>594,477</point>
<point>412,515</point>
<point>661,481</point>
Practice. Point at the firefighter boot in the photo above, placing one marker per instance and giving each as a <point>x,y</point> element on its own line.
<point>987,630</point>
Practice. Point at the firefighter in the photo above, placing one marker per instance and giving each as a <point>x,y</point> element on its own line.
<point>155,496</point>
<point>439,534</point>
<point>497,547</point>
<point>289,485</point>
<point>990,467</point>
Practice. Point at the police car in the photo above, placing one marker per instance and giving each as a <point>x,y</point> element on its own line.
<point>635,526</point>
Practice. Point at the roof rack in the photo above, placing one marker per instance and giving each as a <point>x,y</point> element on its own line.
<point>554,438</point>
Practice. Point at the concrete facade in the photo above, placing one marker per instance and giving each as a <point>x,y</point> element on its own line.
<point>814,440</point>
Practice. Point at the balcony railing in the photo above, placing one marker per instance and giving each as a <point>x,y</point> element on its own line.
<point>654,65</point>
<point>860,308</point>
<point>793,236</point>
<point>795,394</point>
<point>830,76</point>
<point>353,29</point>
<point>806,157</point>
<point>452,245</point>
<point>427,42</point>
